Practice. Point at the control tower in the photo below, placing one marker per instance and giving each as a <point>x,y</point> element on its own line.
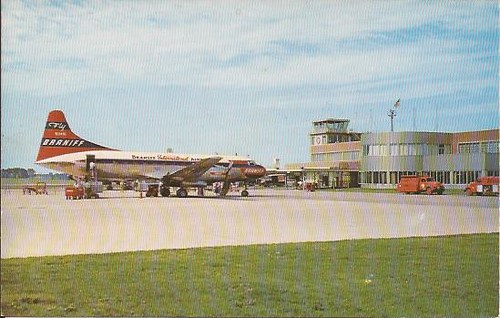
<point>335,155</point>
<point>331,131</point>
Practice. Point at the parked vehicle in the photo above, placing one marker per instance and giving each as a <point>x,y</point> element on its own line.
<point>92,189</point>
<point>87,190</point>
<point>38,188</point>
<point>310,186</point>
<point>153,190</point>
<point>128,185</point>
<point>483,186</point>
<point>419,184</point>
<point>74,193</point>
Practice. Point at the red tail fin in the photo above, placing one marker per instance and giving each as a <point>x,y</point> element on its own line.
<point>58,139</point>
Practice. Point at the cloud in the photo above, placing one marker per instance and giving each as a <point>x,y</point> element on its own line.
<point>299,59</point>
<point>215,44</point>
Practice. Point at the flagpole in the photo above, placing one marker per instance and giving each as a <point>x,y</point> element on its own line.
<point>392,114</point>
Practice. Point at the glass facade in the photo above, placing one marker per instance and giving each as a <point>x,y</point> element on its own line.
<point>406,149</point>
<point>446,157</point>
<point>445,177</point>
<point>479,147</point>
<point>331,125</point>
<point>335,156</point>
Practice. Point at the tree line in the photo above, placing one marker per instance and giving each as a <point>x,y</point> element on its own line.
<point>22,173</point>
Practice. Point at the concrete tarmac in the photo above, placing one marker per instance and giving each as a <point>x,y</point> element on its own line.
<point>42,225</point>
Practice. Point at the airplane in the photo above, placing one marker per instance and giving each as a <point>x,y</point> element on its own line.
<point>62,150</point>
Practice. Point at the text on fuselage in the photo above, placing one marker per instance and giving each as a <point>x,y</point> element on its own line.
<point>163,157</point>
<point>62,142</point>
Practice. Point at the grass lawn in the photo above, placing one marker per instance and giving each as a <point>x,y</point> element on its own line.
<point>444,276</point>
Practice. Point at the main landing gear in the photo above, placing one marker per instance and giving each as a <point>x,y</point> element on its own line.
<point>182,193</point>
<point>165,192</point>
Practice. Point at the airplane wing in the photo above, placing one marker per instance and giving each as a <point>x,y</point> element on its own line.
<point>194,170</point>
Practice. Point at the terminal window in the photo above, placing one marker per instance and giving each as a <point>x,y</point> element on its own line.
<point>476,147</point>
<point>441,149</point>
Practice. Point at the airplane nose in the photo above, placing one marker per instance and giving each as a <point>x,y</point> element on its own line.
<point>255,172</point>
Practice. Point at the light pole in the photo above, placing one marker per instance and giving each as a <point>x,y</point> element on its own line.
<point>392,114</point>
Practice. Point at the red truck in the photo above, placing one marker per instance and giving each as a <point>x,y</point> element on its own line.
<point>74,193</point>
<point>419,184</point>
<point>89,190</point>
<point>483,186</point>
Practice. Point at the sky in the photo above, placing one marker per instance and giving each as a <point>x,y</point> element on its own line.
<point>245,77</point>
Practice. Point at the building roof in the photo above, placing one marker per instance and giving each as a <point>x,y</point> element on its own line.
<point>331,120</point>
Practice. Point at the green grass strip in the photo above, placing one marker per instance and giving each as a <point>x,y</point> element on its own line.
<point>438,276</point>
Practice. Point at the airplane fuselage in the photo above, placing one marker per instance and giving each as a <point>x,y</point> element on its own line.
<point>122,165</point>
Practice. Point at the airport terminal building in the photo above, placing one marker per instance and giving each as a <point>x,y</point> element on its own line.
<point>343,158</point>
<point>335,155</point>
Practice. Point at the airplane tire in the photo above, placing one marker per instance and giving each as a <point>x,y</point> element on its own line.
<point>182,193</point>
<point>244,193</point>
<point>164,191</point>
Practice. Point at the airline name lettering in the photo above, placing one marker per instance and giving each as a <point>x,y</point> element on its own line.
<point>55,125</point>
<point>143,157</point>
<point>63,142</point>
<point>166,157</point>
<point>163,157</point>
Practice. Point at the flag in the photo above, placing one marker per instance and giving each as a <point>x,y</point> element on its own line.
<point>397,103</point>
